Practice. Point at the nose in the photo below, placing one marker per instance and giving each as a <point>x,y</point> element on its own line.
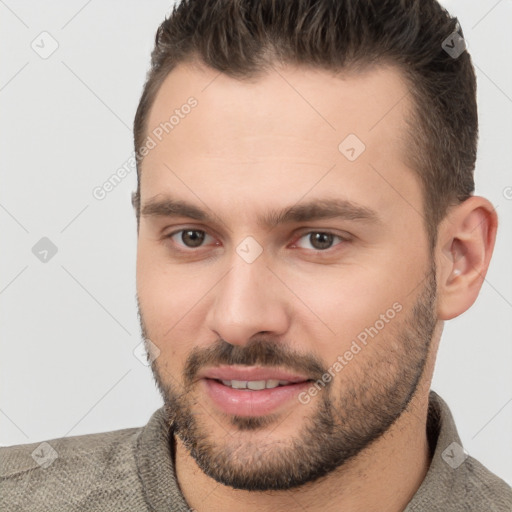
<point>249,300</point>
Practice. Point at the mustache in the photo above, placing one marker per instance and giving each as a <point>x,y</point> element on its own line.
<point>257,352</point>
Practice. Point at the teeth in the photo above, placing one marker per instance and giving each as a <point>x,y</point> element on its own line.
<point>255,385</point>
<point>239,384</point>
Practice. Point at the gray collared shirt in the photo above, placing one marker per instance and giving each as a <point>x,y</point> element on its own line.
<point>132,469</point>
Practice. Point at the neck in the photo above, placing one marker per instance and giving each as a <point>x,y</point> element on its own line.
<point>385,476</point>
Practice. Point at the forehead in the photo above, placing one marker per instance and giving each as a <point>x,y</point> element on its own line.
<point>279,134</point>
<point>293,101</point>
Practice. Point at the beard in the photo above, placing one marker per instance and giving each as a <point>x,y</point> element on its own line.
<point>341,422</point>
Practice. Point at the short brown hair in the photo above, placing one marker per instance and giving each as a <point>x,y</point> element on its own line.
<point>243,38</point>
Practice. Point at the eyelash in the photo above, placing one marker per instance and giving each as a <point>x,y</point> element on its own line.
<point>191,250</point>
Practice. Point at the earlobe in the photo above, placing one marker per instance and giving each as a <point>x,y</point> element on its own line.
<point>466,240</point>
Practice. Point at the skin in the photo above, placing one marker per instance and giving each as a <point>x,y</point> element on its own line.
<point>251,147</point>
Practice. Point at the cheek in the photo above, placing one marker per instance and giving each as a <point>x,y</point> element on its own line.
<point>344,302</point>
<point>166,298</point>
<point>165,289</point>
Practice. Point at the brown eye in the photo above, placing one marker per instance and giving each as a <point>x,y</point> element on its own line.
<point>318,240</point>
<point>321,240</point>
<point>191,238</point>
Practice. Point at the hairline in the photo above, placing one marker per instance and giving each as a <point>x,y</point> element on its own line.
<point>413,152</point>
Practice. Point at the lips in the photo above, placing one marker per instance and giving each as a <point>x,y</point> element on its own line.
<point>251,391</point>
<point>251,373</point>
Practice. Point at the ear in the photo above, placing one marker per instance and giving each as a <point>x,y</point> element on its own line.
<point>464,248</point>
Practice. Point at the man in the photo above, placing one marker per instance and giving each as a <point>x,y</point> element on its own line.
<point>306,224</point>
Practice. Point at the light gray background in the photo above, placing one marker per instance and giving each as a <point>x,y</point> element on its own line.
<point>69,326</point>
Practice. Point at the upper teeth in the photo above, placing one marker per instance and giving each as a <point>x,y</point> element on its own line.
<point>254,384</point>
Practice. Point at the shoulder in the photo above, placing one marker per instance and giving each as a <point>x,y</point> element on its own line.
<point>79,471</point>
<point>483,489</point>
<point>18,459</point>
<point>455,480</point>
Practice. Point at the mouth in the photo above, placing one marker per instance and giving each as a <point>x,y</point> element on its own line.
<point>251,391</point>
<point>255,385</point>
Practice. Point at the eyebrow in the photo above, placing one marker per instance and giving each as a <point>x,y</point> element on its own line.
<point>316,209</point>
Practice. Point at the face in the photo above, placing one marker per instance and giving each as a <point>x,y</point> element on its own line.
<point>283,270</point>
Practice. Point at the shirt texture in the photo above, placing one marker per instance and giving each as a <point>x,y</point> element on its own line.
<point>132,470</point>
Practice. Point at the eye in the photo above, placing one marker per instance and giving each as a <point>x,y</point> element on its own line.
<point>190,238</point>
<point>318,240</point>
